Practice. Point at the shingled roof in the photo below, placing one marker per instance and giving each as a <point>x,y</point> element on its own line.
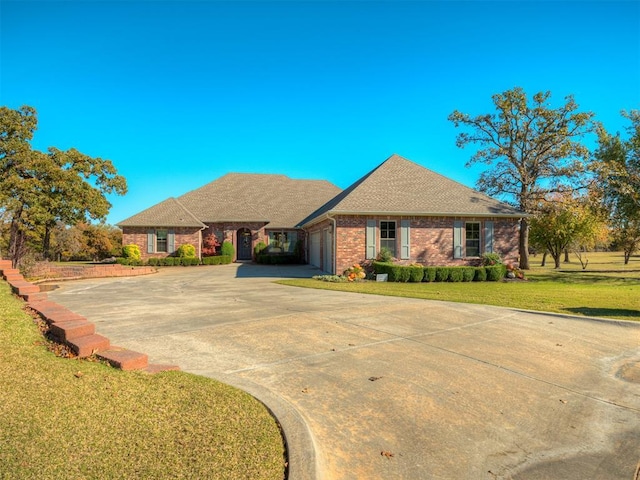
<point>169,213</point>
<point>278,200</point>
<point>401,187</point>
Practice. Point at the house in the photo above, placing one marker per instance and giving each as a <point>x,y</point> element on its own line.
<point>419,215</point>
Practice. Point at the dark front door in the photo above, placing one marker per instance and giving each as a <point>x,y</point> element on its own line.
<point>244,244</point>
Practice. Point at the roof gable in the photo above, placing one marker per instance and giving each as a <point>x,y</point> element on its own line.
<point>168,213</point>
<point>278,200</point>
<point>400,186</point>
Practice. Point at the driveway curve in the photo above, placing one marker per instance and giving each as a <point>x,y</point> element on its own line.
<point>370,387</point>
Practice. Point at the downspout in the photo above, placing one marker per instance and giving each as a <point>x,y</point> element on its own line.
<point>200,242</point>
<point>335,244</point>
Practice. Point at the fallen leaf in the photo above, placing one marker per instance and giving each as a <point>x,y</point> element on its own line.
<point>384,453</point>
<point>373,379</point>
<point>563,401</point>
<point>78,374</point>
<point>305,390</point>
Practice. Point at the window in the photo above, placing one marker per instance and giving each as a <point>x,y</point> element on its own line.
<point>388,236</point>
<point>161,241</point>
<point>472,239</point>
<point>285,241</point>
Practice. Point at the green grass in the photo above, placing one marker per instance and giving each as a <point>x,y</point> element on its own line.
<point>607,289</point>
<point>69,418</point>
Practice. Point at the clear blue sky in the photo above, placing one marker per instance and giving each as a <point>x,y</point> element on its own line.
<point>177,94</point>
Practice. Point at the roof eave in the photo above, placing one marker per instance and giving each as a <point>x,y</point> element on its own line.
<point>332,213</point>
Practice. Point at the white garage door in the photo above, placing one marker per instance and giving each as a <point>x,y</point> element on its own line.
<point>314,249</point>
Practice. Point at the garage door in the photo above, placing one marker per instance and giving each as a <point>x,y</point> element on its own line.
<point>314,249</point>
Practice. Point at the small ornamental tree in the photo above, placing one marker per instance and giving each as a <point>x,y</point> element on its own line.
<point>210,245</point>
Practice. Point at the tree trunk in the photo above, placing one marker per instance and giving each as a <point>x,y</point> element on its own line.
<point>46,243</point>
<point>544,259</point>
<point>566,255</point>
<point>524,244</point>
<point>16,239</point>
<point>627,256</point>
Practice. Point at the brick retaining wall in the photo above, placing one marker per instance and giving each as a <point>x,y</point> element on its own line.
<point>47,271</point>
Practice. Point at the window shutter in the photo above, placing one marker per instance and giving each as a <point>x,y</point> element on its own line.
<point>171,241</point>
<point>150,241</point>
<point>405,246</point>
<point>488,237</point>
<point>371,239</point>
<point>457,238</point>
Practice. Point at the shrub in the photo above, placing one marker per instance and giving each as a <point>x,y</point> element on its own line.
<point>495,273</point>
<point>186,251</point>
<point>468,274</point>
<point>429,274</point>
<point>442,274</point>
<point>382,267</point>
<point>489,259</point>
<point>131,251</point>
<point>384,255</point>
<point>153,262</point>
<point>480,274</point>
<point>227,249</point>
<point>128,261</point>
<point>217,260</point>
<point>169,261</point>
<point>188,261</point>
<point>416,273</point>
<point>455,274</point>
<point>330,278</point>
<point>259,248</point>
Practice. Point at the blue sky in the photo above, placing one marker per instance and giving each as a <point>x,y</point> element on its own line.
<point>177,94</point>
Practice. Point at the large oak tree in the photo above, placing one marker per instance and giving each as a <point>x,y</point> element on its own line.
<point>38,189</point>
<point>618,173</point>
<point>532,149</point>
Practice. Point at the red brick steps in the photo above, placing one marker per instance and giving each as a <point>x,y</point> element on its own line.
<point>75,330</point>
<point>124,359</point>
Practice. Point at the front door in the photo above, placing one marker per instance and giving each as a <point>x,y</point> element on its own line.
<point>244,244</point>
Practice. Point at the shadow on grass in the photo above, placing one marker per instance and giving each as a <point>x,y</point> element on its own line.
<point>582,278</point>
<point>607,312</point>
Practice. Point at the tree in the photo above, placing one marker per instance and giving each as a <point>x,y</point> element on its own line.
<point>533,151</point>
<point>617,168</point>
<point>38,190</point>
<point>564,223</point>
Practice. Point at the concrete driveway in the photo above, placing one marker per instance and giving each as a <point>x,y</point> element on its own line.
<point>370,387</point>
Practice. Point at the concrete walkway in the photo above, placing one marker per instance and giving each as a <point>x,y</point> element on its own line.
<point>371,387</point>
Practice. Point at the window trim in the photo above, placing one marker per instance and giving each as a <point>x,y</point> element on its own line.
<point>467,239</point>
<point>394,252</point>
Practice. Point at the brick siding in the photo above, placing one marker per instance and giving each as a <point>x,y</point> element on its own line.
<point>431,240</point>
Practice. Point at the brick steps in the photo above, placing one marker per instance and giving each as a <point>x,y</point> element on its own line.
<point>124,359</point>
<point>75,330</point>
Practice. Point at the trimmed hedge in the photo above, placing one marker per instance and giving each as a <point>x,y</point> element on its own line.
<point>217,260</point>
<point>416,274</point>
<point>279,259</point>
<point>413,273</point>
<point>442,274</point>
<point>429,274</point>
<point>480,275</point>
<point>496,273</point>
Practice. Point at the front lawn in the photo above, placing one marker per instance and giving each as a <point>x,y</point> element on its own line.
<point>69,418</point>
<point>607,289</point>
